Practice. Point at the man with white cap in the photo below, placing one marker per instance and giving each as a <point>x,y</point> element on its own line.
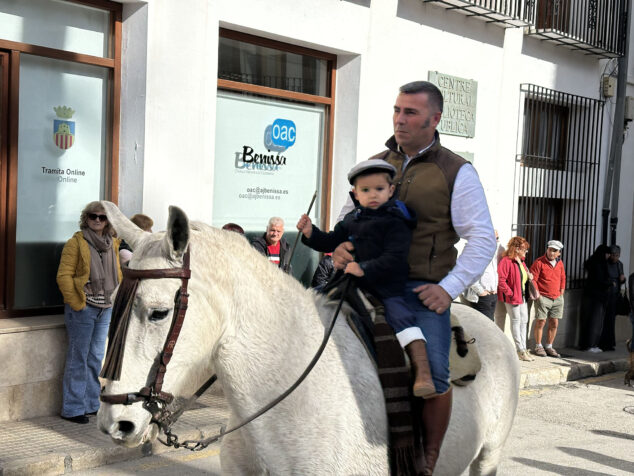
<point>550,278</point>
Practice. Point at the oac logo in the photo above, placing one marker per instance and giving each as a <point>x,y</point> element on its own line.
<point>280,135</point>
<point>63,129</point>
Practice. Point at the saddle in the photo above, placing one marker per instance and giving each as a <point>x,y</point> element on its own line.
<point>365,316</point>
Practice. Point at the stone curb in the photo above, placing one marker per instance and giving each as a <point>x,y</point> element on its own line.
<point>576,371</point>
<point>56,463</point>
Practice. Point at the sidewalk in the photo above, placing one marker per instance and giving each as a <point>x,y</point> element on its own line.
<point>50,445</point>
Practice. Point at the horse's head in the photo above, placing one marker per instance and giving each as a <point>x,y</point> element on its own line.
<point>149,319</point>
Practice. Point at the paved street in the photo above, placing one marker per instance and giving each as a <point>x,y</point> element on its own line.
<point>581,428</point>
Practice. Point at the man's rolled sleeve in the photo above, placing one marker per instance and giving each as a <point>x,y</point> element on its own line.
<point>472,221</point>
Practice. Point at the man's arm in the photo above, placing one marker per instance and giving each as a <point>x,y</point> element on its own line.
<point>472,221</point>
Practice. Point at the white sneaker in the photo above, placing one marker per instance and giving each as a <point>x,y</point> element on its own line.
<point>594,350</point>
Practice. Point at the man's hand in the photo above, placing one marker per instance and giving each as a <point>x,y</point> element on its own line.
<point>354,269</point>
<point>305,225</point>
<point>434,297</point>
<point>342,255</point>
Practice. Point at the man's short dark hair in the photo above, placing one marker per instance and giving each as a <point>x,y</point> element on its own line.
<point>432,91</point>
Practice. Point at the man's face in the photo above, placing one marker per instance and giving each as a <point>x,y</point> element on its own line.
<point>552,253</point>
<point>414,122</point>
<point>372,190</point>
<point>614,257</point>
<point>274,233</point>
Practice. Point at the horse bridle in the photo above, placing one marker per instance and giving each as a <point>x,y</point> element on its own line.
<point>152,396</point>
<point>155,401</point>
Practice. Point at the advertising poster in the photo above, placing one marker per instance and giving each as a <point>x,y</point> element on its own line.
<point>268,160</point>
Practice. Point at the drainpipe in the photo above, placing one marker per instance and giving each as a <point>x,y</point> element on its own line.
<point>612,180</point>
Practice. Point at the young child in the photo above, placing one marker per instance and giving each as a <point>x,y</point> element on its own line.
<point>380,229</point>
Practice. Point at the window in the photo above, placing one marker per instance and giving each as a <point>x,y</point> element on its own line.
<point>273,136</point>
<point>59,91</point>
<point>557,173</point>
<point>553,15</point>
<point>545,133</point>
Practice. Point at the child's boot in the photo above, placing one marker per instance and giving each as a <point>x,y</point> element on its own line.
<point>423,383</point>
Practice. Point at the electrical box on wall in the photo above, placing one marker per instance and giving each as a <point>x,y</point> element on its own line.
<point>608,86</point>
<point>629,108</point>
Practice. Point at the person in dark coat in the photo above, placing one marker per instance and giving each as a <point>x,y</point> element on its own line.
<point>380,227</point>
<point>325,270</point>
<point>595,290</point>
<point>616,276</point>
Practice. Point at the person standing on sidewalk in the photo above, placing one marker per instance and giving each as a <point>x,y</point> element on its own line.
<point>512,278</point>
<point>482,295</point>
<point>89,271</point>
<point>595,292</point>
<point>616,277</point>
<point>550,278</point>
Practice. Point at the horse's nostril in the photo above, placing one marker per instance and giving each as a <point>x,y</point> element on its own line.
<point>126,426</point>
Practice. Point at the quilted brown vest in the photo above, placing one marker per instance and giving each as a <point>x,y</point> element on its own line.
<point>426,186</point>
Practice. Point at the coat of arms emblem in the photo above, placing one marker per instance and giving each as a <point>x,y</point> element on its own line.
<point>63,128</point>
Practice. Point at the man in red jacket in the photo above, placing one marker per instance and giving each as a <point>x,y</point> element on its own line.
<point>550,278</point>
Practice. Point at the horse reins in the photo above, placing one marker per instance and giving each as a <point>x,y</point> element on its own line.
<point>154,399</point>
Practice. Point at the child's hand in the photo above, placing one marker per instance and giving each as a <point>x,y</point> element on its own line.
<point>354,269</point>
<point>305,225</point>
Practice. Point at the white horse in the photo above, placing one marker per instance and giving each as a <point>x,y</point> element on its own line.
<point>258,328</point>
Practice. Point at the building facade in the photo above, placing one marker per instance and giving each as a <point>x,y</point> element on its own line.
<point>238,110</point>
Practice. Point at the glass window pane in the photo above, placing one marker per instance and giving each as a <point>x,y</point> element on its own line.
<point>61,166</point>
<point>253,64</point>
<point>56,24</point>
<point>268,160</point>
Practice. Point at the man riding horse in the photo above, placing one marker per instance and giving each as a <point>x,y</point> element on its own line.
<point>445,192</point>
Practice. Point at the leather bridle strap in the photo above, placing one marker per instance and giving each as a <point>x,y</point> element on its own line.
<point>197,445</point>
<point>154,391</point>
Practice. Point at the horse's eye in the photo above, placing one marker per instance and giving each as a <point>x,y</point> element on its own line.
<point>159,314</point>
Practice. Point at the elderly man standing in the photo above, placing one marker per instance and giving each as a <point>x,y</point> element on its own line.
<point>445,192</point>
<point>550,278</point>
<point>272,245</point>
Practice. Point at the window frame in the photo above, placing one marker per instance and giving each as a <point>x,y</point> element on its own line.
<point>9,167</point>
<point>328,101</point>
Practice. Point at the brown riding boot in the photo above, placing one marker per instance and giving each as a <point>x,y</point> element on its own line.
<point>423,383</point>
<point>436,415</point>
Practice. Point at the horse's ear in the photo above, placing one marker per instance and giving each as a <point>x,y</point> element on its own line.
<point>177,235</point>
<point>132,234</point>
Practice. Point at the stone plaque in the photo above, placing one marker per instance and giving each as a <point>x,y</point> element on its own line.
<point>460,96</point>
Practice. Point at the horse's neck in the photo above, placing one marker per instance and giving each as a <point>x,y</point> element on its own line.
<point>273,338</point>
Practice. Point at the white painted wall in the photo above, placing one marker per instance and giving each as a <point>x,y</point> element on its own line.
<point>380,46</point>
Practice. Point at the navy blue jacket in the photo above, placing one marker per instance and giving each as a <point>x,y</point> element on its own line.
<point>381,241</point>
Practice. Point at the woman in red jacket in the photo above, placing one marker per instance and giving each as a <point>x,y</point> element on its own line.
<point>512,278</point>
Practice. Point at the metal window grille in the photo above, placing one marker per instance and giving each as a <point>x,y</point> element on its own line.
<point>557,174</point>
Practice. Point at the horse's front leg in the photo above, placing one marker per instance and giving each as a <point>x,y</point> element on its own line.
<point>236,458</point>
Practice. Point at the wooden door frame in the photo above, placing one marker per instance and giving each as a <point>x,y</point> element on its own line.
<point>9,166</point>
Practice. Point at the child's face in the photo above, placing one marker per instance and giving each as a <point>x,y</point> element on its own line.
<point>373,190</point>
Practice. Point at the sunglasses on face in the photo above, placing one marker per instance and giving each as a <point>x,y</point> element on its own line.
<point>94,216</point>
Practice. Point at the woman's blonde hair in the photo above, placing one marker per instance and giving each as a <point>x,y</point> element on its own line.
<point>514,245</point>
<point>94,207</point>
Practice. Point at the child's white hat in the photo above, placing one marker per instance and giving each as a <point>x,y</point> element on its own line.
<point>363,168</point>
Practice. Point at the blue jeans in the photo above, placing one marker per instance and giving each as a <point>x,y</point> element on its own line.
<point>437,331</point>
<point>87,331</point>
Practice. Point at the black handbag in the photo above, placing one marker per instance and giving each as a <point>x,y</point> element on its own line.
<point>623,304</point>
